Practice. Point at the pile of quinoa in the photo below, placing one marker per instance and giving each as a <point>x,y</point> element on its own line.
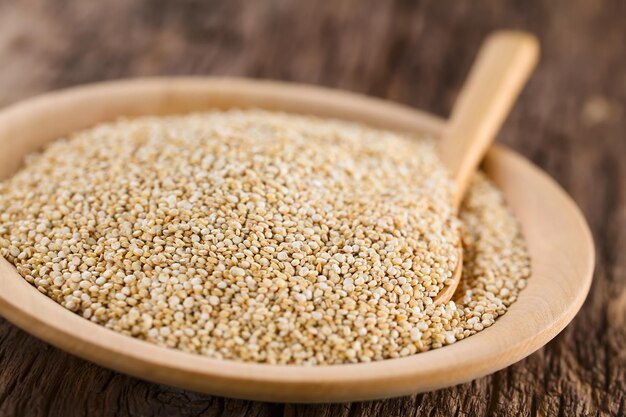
<point>261,237</point>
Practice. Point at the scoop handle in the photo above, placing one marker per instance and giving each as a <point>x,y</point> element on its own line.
<point>502,67</point>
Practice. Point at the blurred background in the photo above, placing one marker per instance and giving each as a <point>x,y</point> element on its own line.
<point>570,121</point>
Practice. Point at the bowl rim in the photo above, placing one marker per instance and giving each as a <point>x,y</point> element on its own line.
<point>568,275</point>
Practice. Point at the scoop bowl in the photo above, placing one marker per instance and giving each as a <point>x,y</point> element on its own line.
<point>559,242</point>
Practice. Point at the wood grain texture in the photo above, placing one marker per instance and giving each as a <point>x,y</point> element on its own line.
<point>570,120</point>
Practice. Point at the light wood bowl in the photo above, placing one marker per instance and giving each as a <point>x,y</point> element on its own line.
<point>558,238</point>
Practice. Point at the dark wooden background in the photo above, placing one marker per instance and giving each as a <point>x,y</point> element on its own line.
<point>571,121</point>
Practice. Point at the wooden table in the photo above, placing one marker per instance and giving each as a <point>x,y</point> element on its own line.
<point>571,121</point>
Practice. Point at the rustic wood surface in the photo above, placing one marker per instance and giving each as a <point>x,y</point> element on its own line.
<point>570,121</point>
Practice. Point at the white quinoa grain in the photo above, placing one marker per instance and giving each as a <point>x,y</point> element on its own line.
<point>261,237</point>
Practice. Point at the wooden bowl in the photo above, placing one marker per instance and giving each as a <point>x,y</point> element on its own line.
<point>559,242</point>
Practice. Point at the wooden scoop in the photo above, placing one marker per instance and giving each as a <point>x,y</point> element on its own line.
<point>502,67</point>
